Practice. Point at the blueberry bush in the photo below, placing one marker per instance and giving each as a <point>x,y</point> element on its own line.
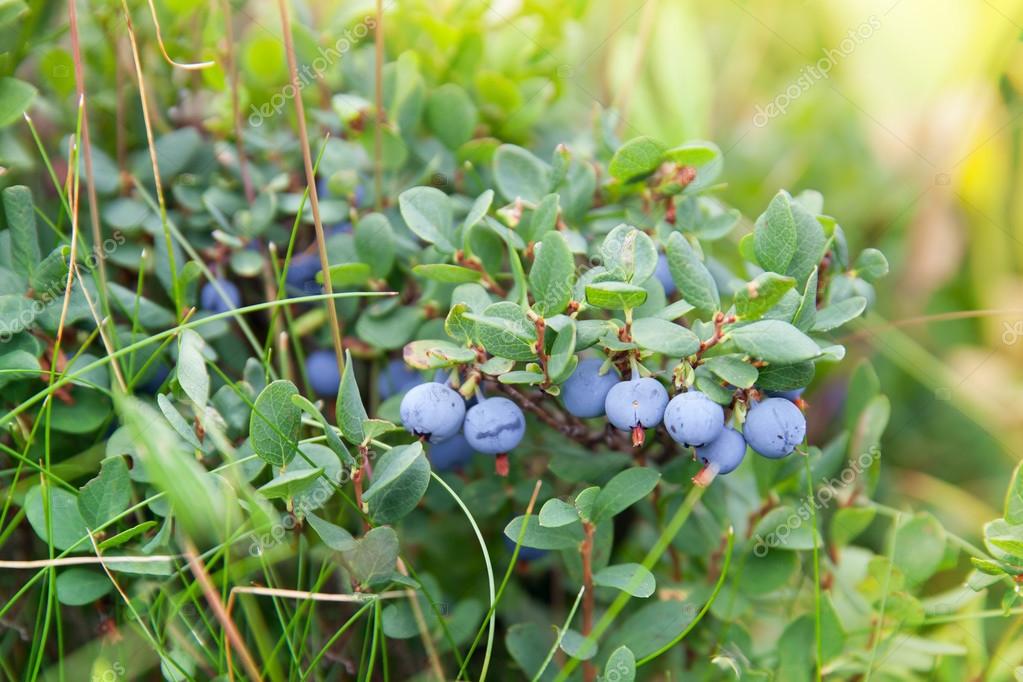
<point>439,378</point>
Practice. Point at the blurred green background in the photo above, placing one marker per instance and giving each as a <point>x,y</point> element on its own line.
<point>911,129</point>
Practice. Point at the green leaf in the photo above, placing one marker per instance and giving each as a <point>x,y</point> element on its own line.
<point>1014,497</point>
<point>333,440</point>
<point>275,423</point>
<point>16,314</point>
<point>620,666</point>
<point>17,364</point>
<point>544,218</point>
<point>694,281</point>
<point>478,211</point>
<point>774,235</point>
<point>760,295</point>
<point>563,360</point>
<point>192,373</point>
<point>784,528</point>
<point>577,646</point>
<point>919,547</point>
<point>451,115</point>
<point>733,369</point>
<point>615,295</point>
<point>79,586</point>
<point>374,555</point>
<point>662,336</point>
<point>622,491</point>
<point>350,411</point>
<point>445,272</point>
<point>69,528</point>
<point>50,277</point>
<point>374,243</point>
<point>837,314</point>
<point>333,536</point>
<point>522,377</point>
<point>694,153</point>
<point>106,495</point>
<point>556,513</point>
<point>347,274</point>
<point>631,578</point>
<point>15,96</point>
<point>290,483</point>
<point>871,265</point>
<point>399,481</point>
<point>540,537</point>
<point>177,422</point>
<point>427,212</point>
<point>636,159</point>
<point>774,341</point>
<point>629,254</point>
<point>505,331</point>
<point>126,536</point>
<point>849,522</point>
<point>318,493</point>
<point>519,174</point>
<point>21,220</point>
<point>436,354</point>
<point>785,377</point>
<point>552,277</point>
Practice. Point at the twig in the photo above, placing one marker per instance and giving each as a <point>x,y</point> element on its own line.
<point>586,550</point>
<point>310,176</point>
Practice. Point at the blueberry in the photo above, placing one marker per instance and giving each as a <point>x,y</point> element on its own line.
<point>302,273</point>
<point>774,427</point>
<point>526,554</point>
<point>433,411</point>
<point>791,396</point>
<point>663,274</point>
<point>324,375</point>
<point>396,378</point>
<point>452,454</point>
<point>211,300</point>
<point>584,392</point>
<point>153,379</point>
<point>494,426</point>
<point>725,452</point>
<point>693,419</point>
<point>635,405</point>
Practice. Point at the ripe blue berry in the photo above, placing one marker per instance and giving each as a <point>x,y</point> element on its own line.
<point>396,378</point>
<point>774,427</point>
<point>791,396</point>
<point>635,405</point>
<point>494,425</point>
<point>584,392</point>
<point>663,274</point>
<point>211,300</point>
<point>302,273</point>
<point>452,454</point>
<point>526,554</point>
<point>433,411</point>
<point>324,375</point>
<point>724,452</point>
<point>693,419</point>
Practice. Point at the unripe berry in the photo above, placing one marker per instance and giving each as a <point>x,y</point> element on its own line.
<point>584,392</point>
<point>774,427</point>
<point>693,419</point>
<point>432,411</point>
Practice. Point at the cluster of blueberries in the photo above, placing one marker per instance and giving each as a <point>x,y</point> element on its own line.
<point>773,427</point>
<point>437,413</point>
